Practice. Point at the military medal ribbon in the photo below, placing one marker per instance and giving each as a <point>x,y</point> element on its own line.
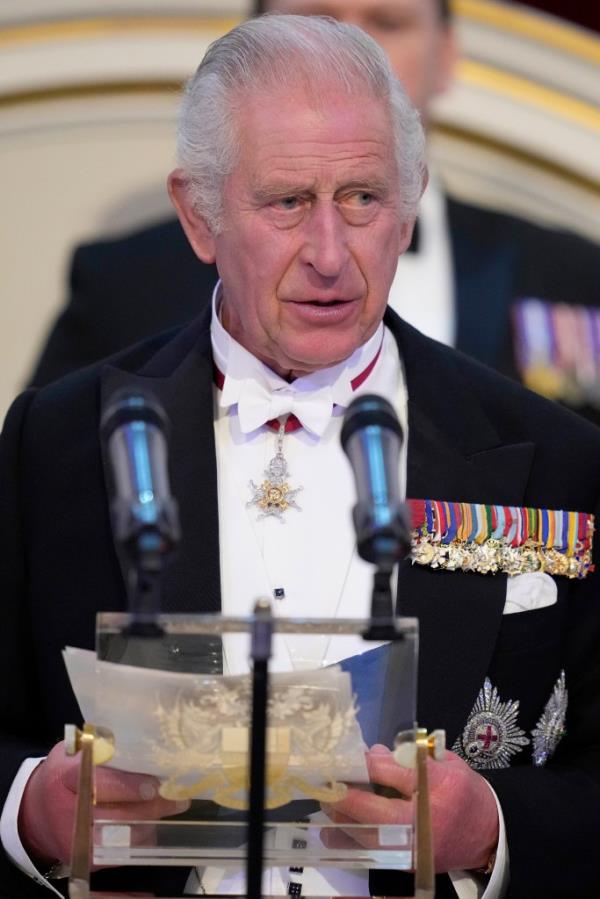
<point>512,539</point>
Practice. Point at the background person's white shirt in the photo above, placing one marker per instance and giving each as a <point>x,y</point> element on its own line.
<point>423,292</point>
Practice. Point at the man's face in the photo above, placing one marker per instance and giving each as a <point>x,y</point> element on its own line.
<point>419,46</point>
<point>312,228</point>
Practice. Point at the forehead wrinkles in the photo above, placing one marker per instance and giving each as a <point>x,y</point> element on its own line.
<point>368,155</point>
<point>280,149</point>
<point>282,119</point>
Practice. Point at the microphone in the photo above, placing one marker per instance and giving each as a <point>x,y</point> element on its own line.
<point>372,438</point>
<point>145,515</point>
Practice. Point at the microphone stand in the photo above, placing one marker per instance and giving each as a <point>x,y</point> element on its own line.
<point>372,439</point>
<point>148,553</point>
<point>381,623</point>
<point>260,653</point>
<point>385,552</point>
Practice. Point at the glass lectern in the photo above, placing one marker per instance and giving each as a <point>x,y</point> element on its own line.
<point>174,699</point>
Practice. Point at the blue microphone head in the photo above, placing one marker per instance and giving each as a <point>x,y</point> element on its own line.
<point>372,438</point>
<point>369,410</point>
<point>134,430</point>
<point>126,406</point>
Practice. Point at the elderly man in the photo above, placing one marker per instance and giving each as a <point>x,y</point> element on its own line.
<point>466,269</point>
<point>301,166</point>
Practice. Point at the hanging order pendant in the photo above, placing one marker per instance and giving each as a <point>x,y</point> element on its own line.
<point>275,496</point>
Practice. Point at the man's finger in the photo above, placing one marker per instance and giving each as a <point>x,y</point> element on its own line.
<point>113,785</point>
<point>384,770</point>
<point>366,808</point>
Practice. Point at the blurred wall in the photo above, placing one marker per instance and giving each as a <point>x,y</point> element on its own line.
<point>88,98</point>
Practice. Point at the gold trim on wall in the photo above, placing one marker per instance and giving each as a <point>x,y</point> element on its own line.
<point>472,73</point>
<point>97,27</point>
<point>524,157</point>
<point>517,87</point>
<point>77,91</point>
<point>538,28</point>
<point>562,36</point>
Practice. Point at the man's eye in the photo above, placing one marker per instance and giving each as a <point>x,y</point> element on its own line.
<point>288,204</point>
<point>361,198</point>
<point>365,199</point>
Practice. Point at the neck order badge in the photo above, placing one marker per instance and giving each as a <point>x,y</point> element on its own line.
<point>274,495</point>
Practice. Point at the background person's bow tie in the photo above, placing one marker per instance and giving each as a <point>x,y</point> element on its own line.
<point>258,404</point>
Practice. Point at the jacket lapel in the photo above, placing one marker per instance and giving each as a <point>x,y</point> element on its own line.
<point>180,377</point>
<point>454,453</point>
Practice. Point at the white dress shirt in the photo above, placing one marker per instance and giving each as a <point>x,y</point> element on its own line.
<point>311,553</point>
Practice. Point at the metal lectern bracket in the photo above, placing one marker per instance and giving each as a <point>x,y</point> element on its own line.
<point>95,745</point>
<point>411,750</point>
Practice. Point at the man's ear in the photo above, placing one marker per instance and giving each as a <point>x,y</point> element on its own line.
<point>408,226</point>
<point>196,228</point>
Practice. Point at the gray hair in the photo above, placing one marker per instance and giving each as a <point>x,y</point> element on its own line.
<point>275,52</point>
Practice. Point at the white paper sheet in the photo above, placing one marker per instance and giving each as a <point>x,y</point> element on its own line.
<point>166,722</point>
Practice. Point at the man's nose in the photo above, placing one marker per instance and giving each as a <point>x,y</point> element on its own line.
<point>325,248</point>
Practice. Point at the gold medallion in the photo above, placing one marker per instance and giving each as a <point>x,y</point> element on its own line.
<point>274,496</point>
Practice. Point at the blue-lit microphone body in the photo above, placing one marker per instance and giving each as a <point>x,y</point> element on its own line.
<point>144,513</point>
<point>372,439</point>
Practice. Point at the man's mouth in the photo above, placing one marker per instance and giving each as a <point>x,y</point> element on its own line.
<point>336,301</point>
<point>324,310</point>
<point>327,302</point>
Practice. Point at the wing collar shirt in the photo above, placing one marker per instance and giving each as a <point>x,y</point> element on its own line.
<point>309,556</point>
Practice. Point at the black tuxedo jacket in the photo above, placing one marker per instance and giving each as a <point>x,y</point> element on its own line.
<point>473,436</point>
<point>130,288</point>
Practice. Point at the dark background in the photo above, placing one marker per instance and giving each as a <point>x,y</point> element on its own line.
<point>581,12</point>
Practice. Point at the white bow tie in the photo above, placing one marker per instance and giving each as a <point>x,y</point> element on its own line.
<point>257,404</point>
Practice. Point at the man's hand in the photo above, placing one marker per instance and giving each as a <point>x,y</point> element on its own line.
<point>47,808</point>
<point>463,809</point>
